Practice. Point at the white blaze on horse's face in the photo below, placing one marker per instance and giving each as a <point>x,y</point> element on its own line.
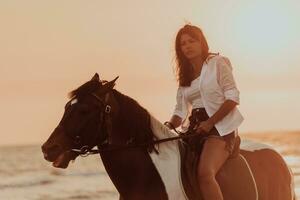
<point>74,101</point>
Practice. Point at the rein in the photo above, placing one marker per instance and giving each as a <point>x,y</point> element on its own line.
<point>85,150</point>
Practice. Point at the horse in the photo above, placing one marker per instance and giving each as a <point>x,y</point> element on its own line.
<point>145,160</point>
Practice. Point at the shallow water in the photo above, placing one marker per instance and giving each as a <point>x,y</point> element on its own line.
<point>25,175</point>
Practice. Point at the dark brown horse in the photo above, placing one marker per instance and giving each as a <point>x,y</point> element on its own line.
<point>126,135</point>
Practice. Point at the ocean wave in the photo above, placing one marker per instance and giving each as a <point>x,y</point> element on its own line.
<point>26,184</point>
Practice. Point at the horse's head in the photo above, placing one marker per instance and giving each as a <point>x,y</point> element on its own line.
<point>82,122</point>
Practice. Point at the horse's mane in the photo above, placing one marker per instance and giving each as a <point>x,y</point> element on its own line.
<point>84,89</point>
<point>135,118</point>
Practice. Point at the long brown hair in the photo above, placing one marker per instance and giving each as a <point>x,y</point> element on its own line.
<point>184,69</point>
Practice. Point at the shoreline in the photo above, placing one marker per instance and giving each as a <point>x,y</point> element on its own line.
<point>287,143</point>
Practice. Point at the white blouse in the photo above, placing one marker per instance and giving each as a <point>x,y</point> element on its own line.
<point>190,96</point>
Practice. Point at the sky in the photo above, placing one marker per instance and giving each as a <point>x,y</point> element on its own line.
<point>48,48</point>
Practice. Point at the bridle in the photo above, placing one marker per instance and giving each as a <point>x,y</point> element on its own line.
<point>106,126</point>
<point>105,121</point>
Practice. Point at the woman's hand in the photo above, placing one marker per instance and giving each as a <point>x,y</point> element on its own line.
<point>205,126</point>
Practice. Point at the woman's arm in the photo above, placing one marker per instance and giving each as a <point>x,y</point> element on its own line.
<point>180,110</point>
<point>226,107</point>
<point>207,125</point>
<point>230,91</point>
<point>174,121</point>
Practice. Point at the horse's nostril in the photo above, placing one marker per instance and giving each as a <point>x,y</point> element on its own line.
<point>45,156</point>
<point>51,152</point>
<point>52,148</point>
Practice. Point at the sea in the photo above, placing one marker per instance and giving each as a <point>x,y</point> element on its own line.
<point>25,175</point>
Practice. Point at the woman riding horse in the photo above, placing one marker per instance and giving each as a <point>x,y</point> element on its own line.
<point>206,83</point>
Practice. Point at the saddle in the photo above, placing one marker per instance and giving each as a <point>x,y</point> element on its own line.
<point>235,177</point>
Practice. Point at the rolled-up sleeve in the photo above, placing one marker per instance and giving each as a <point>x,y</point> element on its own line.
<point>181,104</point>
<point>226,80</point>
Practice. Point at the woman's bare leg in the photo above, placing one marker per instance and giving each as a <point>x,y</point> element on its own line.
<point>212,158</point>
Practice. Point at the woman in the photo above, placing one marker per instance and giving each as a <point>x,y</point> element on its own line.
<point>207,85</point>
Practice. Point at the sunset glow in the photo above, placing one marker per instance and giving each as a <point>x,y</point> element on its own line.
<point>51,47</point>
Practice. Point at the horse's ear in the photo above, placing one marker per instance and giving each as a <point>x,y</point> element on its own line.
<point>113,81</point>
<point>111,84</point>
<point>96,77</point>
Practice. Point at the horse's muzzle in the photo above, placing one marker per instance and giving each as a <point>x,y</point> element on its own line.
<point>51,152</point>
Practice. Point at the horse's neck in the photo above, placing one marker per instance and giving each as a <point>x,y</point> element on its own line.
<point>133,170</point>
<point>134,174</point>
<point>132,122</point>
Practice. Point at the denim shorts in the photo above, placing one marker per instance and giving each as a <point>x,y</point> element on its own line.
<point>199,115</point>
